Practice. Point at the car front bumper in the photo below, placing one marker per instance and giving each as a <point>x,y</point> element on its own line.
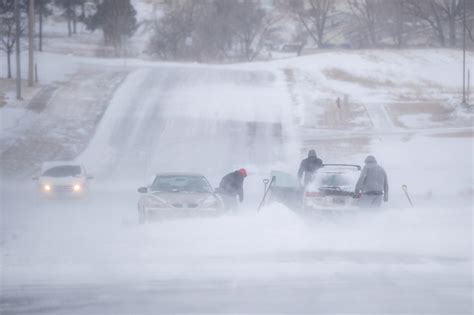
<point>163,213</point>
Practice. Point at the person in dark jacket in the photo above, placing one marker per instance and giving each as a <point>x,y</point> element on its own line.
<point>372,185</point>
<point>232,185</point>
<point>309,166</point>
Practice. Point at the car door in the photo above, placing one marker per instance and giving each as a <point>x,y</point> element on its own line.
<point>286,190</point>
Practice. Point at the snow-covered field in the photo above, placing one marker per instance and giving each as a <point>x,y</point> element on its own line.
<point>91,257</point>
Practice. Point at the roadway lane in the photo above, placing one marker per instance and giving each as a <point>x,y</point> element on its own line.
<point>206,120</point>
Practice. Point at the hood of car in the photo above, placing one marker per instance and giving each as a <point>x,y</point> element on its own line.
<point>183,199</point>
<point>62,181</point>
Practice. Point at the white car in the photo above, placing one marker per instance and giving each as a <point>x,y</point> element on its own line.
<point>63,178</point>
<point>332,189</point>
<point>172,195</point>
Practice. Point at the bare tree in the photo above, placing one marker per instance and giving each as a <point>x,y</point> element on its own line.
<point>395,20</point>
<point>367,13</point>
<point>469,19</point>
<point>452,10</point>
<point>212,30</point>
<point>253,26</point>
<point>438,13</point>
<point>71,12</point>
<point>173,30</point>
<point>8,30</point>
<point>67,5</point>
<point>313,16</point>
<point>116,19</point>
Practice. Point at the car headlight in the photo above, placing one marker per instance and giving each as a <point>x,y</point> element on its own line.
<point>46,187</point>
<point>77,187</point>
<point>210,202</point>
<point>155,202</point>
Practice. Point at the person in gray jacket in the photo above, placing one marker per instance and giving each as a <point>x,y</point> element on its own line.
<point>372,185</point>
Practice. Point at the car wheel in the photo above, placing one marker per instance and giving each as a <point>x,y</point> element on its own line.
<point>141,216</point>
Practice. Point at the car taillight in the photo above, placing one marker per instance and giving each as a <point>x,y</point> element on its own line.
<point>313,194</point>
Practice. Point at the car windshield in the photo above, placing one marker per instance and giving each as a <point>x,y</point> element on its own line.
<point>181,183</point>
<point>63,171</point>
<point>341,180</point>
<point>283,179</point>
<point>334,180</point>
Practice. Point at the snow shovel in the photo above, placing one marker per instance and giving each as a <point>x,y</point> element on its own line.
<point>405,190</point>
<point>268,185</point>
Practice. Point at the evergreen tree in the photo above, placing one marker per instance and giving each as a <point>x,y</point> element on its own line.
<point>116,18</point>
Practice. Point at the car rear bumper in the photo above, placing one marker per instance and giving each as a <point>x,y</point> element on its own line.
<point>330,210</point>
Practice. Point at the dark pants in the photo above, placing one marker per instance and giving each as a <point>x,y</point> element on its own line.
<point>371,200</point>
<point>230,201</point>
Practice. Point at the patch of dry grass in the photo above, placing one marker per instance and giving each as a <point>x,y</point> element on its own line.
<point>346,116</point>
<point>437,112</point>
<point>342,75</point>
<point>3,102</point>
<point>460,134</point>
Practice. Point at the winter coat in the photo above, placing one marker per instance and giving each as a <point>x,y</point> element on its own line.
<point>309,166</point>
<point>373,179</point>
<point>233,184</point>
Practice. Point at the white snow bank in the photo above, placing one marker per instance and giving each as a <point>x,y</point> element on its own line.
<point>380,75</point>
<point>274,243</point>
<point>429,165</point>
<point>51,67</point>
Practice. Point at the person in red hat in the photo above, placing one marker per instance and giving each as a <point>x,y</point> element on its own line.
<point>231,186</point>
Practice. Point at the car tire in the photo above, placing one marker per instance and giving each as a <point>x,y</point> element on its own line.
<point>141,216</point>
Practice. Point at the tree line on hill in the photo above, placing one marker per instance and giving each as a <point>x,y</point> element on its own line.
<point>220,30</point>
<point>245,29</point>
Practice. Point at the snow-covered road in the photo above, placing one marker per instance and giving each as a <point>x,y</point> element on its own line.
<point>90,256</point>
<point>185,119</point>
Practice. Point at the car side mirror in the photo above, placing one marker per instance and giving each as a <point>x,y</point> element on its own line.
<point>35,178</point>
<point>142,190</point>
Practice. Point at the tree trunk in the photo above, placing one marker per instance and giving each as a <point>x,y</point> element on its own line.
<point>438,26</point>
<point>40,35</point>
<point>17,49</point>
<point>74,22</point>
<point>452,31</point>
<point>399,26</point>
<point>31,30</point>
<point>441,38</point>
<point>9,66</point>
<point>68,14</point>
